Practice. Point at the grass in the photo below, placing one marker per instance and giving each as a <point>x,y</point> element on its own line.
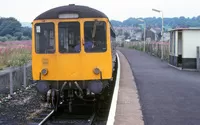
<point>2,66</point>
<point>14,54</point>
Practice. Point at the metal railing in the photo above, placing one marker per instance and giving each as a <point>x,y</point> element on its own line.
<point>15,78</point>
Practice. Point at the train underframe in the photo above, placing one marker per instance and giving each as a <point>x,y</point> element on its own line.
<point>73,93</point>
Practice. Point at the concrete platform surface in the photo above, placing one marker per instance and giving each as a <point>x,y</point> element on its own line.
<point>128,110</point>
<point>168,96</point>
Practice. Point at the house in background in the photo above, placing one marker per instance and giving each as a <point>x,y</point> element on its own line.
<point>138,36</point>
<point>152,34</point>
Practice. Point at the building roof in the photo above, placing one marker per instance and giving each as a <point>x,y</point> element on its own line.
<point>82,11</point>
<point>155,30</point>
<point>181,29</point>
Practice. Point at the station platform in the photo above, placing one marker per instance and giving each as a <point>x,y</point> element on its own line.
<point>167,96</point>
<point>128,110</point>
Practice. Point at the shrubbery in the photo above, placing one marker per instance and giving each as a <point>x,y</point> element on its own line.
<point>19,58</point>
<point>3,38</point>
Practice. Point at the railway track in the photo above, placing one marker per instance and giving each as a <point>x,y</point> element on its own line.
<point>89,114</point>
<point>50,117</point>
<point>42,117</point>
<point>85,116</point>
<point>82,115</point>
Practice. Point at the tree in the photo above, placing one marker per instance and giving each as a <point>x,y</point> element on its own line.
<point>9,26</point>
<point>10,29</point>
<point>8,36</point>
<point>157,22</point>
<point>3,39</point>
<point>18,35</point>
<point>27,31</point>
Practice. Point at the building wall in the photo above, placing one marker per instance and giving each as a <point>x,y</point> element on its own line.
<point>180,41</point>
<point>191,39</point>
<point>176,44</point>
<point>173,49</point>
<point>173,42</point>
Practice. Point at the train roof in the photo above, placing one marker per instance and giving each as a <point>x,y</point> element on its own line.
<point>82,11</point>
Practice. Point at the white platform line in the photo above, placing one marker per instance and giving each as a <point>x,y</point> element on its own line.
<point>179,68</point>
<point>111,116</point>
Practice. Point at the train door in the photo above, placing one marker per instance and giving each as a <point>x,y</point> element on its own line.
<point>97,48</point>
<point>69,46</point>
<point>44,50</point>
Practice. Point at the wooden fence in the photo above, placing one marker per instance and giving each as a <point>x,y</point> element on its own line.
<point>153,48</point>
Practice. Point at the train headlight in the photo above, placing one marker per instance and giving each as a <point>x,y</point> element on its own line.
<point>96,71</point>
<point>44,72</point>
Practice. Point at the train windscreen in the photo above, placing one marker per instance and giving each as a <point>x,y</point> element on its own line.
<point>95,36</point>
<point>44,38</point>
<point>69,37</point>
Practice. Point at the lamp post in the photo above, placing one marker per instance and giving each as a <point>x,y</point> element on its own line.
<point>159,11</point>
<point>144,32</point>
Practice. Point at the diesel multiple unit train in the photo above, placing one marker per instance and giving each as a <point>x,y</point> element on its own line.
<point>73,54</point>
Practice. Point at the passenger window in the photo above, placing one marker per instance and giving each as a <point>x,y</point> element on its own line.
<point>69,37</point>
<point>44,38</point>
<point>95,36</point>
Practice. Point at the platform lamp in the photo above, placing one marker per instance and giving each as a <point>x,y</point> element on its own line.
<point>159,11</point>
<point>144,32</point>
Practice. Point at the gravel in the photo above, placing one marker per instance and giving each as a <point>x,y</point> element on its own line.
<point>20,107</point>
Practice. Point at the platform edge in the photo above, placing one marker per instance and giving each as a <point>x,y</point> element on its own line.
<point>113,107</point>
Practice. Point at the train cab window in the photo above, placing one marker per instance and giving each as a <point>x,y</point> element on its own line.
<point>95,36</point>
<point>69,37</point>
<point>44,38</point>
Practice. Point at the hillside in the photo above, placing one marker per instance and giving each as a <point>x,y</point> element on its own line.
<point>157,22</point>
<point>152,22</point>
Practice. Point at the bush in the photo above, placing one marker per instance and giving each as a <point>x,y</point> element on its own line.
<point>8,36</point>
<point>14,57</point>
<point>25,38</point>
<point>19,58</point>
<point>18,35</point>
<point>3,39</point>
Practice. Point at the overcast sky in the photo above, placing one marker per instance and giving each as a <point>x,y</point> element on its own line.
<point>27,10</point>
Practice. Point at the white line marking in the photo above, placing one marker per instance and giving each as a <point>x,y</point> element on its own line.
<point>111,116</point>
<point>46,117</point>
<point>179,68</point>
